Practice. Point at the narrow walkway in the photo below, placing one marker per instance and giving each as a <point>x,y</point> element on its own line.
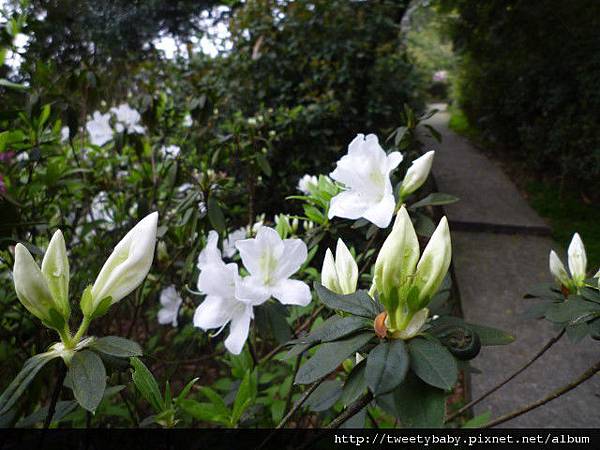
<point>500,249</point>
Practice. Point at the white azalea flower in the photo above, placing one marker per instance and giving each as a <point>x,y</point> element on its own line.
<point>365,172</point>
<point>270,261</point>
<point>218,281</point>
<point>170,301</point>
<point>99,129</point>
<point>64,134</point>
<point>187,121</point>
<point>229,242</point>
<point>127,119</point>
<point>170,151</point>
<point>306,183</point>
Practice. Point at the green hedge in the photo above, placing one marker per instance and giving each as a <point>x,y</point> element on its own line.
<point>529,78</point>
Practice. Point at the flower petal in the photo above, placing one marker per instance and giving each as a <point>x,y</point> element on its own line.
<point>252,290</point>
<point>213,312</point>
<point>260,254</point>
<point>294,255</point>
<point>292,292</point>
<point>218,279</point>
<point>238,330</point>
<point>210,254</point>
<point>348,205</point>
<point>381,213</point>
<point>346,268</point>
<point>329,277</point>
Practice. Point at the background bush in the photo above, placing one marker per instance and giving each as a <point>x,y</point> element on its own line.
<point>529,78</point>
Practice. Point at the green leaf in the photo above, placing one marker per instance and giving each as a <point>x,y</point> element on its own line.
<point>245,396</point>
<point>325,396</point>
<point>336,327</point>
<point>117,346</point>
<point>216,400</point>
<point>62,409</point>
<point>215,215</point>
<point>547,291</point>
<point>573,311</point>
<point>433,363</point>
<point>146,384</point>
<point>356,383</point>
<point>329,356</point>
<point>18,385</point>
<point>186,390</point>
<point>359,303</point>
<point>206,412</point>
<point>263,164</point>
<point>88,377</point>
<point>435,199</point>
<point>387,366</point>
<point>416,404</point>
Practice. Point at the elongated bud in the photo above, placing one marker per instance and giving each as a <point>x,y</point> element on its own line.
<point>397,258</point>
<point>329,274</point>
<point>128,264</point>
<point>33,291</point>
<point>416,174</point>
<point>340,275</point>
<point>577,259</point>
<point>434,263</point>
<point>558,269</point>
<point>55,267</point>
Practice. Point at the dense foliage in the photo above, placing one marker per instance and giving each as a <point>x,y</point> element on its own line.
<point>529,75</point>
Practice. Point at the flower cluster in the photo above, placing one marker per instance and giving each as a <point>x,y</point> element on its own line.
<point>577,259</point>
<point>230,298</point>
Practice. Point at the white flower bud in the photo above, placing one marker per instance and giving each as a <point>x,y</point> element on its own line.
<point>416,174</point>
<point>577,259</point>
<point>32,289</point>
<point>128,264</point>
<point>558,269</point>
<point>340,275</point>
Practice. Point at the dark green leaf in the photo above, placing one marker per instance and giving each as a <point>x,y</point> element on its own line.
<point>387,365</point>
<point>88,377</point>
<point>18,385</point>
<point>356,383</point>
<point>62,409</point>
<point>245,396</point>
<point>117,346</point>
<point>433,363</point>
<point>146,384</point>
<point>329,356</point>
<point>263,164</point>
<point>336,327</point>
<point>206,412</point>
<point>435,199</point>
<point>416,404</point>
<point>215,215</point>
<point>573,311</point>
<point>325,396</point>
<point>359,303</point>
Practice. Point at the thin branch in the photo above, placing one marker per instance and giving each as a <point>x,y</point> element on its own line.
<point>472,403</point>
<point>557,393</point>
<point>299,403</point>
<point>289,415</point>
<point>62,373</point>
<point>352,410</point>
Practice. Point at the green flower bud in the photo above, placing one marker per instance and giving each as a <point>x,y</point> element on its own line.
<point>397,259</point>
<point>416,174</point>
<point>434,263</point>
